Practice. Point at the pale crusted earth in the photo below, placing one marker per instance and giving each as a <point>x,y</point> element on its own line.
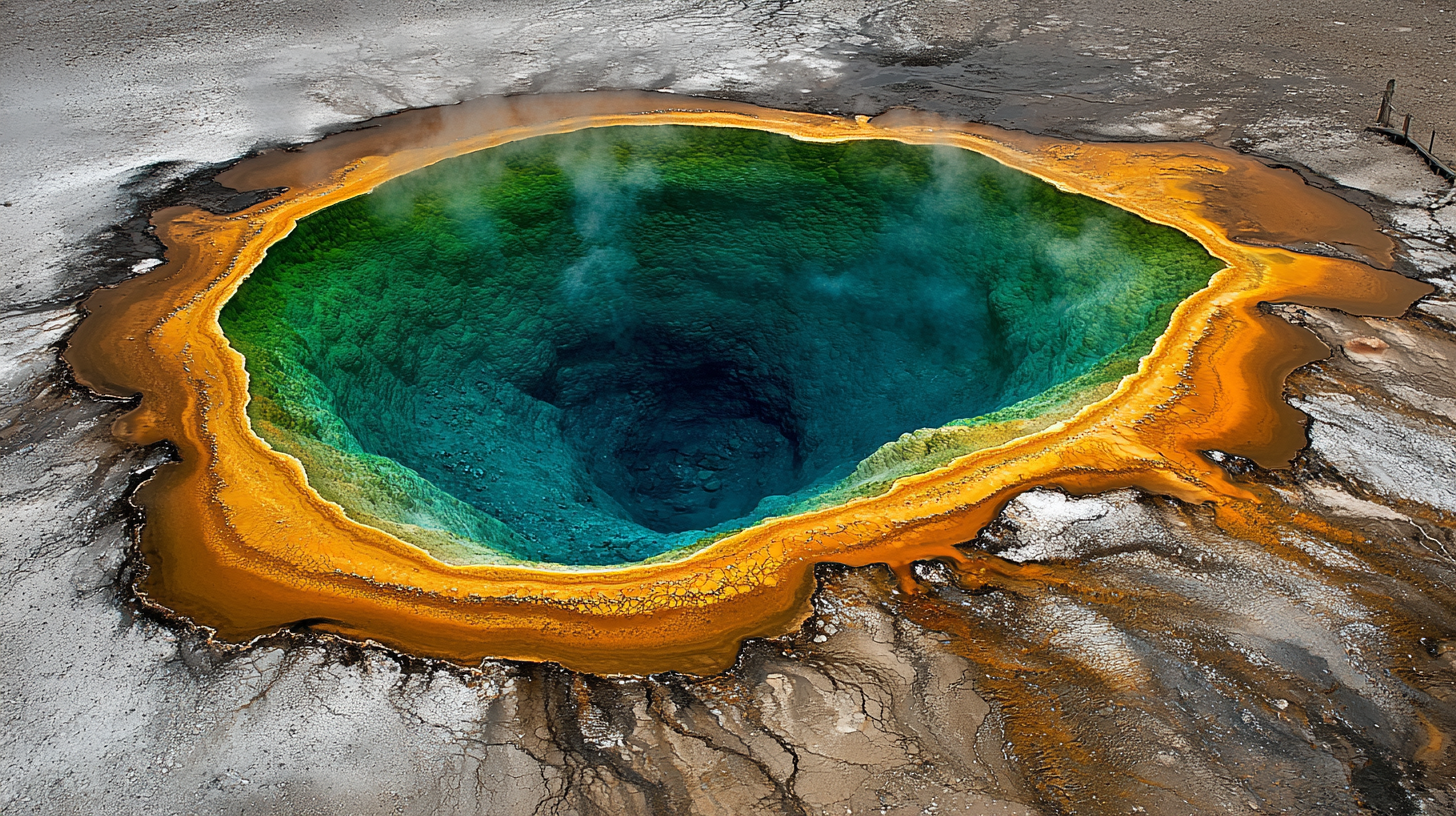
<point>1243,682</point>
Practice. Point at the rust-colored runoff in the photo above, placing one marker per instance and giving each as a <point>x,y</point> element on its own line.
<point>236,540</point>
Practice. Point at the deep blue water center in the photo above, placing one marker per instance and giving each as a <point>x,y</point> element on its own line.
<point>610,343</point>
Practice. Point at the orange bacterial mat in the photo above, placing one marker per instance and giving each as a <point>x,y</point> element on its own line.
<point>237,541</point>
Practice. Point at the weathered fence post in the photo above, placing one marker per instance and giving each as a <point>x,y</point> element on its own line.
<point>1383,117</point>
<point>1382,125</point>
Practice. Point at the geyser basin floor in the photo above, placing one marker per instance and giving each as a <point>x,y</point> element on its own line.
<point>238,541</point>
<point>601,346</point>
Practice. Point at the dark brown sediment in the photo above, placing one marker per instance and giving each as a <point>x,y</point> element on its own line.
<point>236,540</point>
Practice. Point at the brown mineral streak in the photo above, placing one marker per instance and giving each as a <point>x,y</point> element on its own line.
<point>237,541</point>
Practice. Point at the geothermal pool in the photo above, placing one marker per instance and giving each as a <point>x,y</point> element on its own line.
<point>598,347</point>
<point>511,379</point>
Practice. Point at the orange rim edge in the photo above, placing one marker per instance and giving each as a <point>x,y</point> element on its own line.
<point>237,541</point>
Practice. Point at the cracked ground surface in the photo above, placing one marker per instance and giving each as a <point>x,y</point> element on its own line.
<point>1165,659</point>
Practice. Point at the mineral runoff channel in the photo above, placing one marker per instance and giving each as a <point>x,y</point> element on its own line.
<point>236,541</point>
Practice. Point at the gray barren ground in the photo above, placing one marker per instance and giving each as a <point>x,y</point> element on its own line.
<point>1271,688</point>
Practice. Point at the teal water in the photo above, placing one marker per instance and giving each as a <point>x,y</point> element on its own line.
<point>597,347</point>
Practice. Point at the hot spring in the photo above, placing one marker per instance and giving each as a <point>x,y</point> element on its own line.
<point>604,346</point>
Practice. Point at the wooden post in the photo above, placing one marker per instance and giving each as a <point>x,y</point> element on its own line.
<point>1405,131</point>
<point>1432,148</point>
<point>1383,117</point>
